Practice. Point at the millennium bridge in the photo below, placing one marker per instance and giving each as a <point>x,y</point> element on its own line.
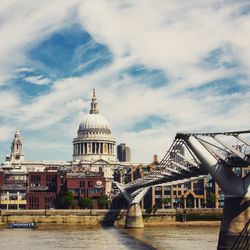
<point>221,155</point>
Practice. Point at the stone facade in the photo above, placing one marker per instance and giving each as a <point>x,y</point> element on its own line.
<point>94,140</point>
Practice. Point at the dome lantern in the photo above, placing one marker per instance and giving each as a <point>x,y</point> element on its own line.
<point>94,105</point>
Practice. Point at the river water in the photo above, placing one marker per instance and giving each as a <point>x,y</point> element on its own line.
<point>48,237</point>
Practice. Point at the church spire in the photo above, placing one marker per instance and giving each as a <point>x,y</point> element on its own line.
<point>17,134</point>
<point>94,105</point>
<point>17,154</point>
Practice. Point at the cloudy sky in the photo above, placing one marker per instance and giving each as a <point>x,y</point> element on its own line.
<point>158,66</point>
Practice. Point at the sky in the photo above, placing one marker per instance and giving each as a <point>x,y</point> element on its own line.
<point>158,67</point>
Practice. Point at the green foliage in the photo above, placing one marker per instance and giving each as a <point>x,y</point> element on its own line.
<point>103,201</point>
<point>166,201</point>
<point>67,200</point>
<point>212,199</point>
<point>85,202</point>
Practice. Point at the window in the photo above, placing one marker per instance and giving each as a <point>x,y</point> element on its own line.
<point>90,184</point>
<point>81,183</point>
<point>48,177</point>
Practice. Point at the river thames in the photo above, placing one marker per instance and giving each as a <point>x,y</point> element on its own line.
<point>48,237</point>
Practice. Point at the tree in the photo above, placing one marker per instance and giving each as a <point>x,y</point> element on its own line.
<point>212,199</point>
<point>67,200</point>
<point>103,201</point>
<point>166,201</point>
<point>85,202</point>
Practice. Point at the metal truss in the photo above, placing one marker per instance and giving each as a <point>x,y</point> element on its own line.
<point>179,166</point>
<point>232,148</point>
<point>174,166</point>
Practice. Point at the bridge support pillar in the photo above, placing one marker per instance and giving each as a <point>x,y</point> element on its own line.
<point>134,213</point>
<point>235,224</point>
<point>134,216</point>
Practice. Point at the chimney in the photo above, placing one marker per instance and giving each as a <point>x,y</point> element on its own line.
<point>155,158</point>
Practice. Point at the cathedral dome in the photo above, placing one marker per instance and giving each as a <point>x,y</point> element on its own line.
<point>94,121</point>
<point>94,140</point>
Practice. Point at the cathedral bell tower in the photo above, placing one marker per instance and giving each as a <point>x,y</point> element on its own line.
<point>17,154</point>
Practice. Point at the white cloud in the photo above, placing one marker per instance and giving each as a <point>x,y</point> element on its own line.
<point>24,23</point>
<point>8,100</point>
<point>166,34</point>
<point>23,69</point>
<point>6,132</point>
<point>38,80</point>
<point>174,36</point>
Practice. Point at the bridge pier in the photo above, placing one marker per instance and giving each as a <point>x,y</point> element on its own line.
<point>134,216</point>
<point>134,213</point>
<point>235,224</point>
<point>234,230</point>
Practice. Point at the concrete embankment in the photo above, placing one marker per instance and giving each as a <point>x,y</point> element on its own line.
<point>111,217</point>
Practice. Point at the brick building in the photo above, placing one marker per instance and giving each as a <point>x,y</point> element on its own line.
<point>42,189</point>
<point>90,184</point>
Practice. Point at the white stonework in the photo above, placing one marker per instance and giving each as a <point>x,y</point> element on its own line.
<point>17,154</point>
<point>93,150</point>
<point>94,140</point>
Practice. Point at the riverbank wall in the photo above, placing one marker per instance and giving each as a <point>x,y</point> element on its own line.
<point>109,217</point>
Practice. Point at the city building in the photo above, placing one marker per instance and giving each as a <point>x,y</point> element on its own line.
<point>37,184</point>
<point>87,185</point>
<point>197,193</point>
<point>42,189</point>
<point>91,171</point>
<point>123,153</point>
<point>12,189</point>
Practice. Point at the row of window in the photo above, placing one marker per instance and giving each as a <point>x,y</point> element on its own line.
<point>49,199</point>
<point>90,184</point>
<point>86,191</point>
<point>51,178</point>
<point>34,199</point>
<point>37,178</point>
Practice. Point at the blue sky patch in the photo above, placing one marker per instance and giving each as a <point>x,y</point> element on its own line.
<point>148,123</point>
<point>245,10</point>
<point>154,78</point>
<point>219,58</point>
<point>69,49</point>
<point>223,86</point>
